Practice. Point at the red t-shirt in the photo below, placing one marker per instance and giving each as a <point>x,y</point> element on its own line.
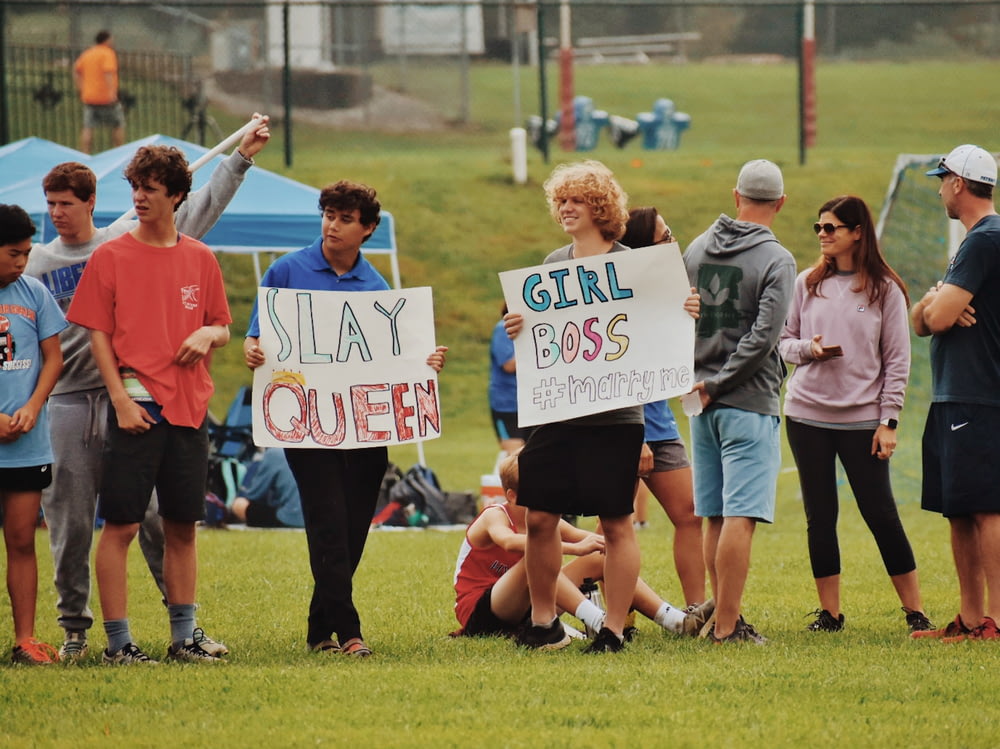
<point>149,299</point>
<point>477,570</point>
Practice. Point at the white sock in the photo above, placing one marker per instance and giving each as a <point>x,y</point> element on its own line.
<point>590,614</point>
<point>669,618</point>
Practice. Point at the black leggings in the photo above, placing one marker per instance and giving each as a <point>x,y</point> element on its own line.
<point>815,450</point>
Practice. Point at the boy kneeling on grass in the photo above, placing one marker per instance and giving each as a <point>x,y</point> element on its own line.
<point>491,582</point>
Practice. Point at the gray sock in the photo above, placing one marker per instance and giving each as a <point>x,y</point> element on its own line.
<point>118,634</point>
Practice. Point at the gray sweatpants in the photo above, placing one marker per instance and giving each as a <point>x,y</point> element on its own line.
<point>79,427</point>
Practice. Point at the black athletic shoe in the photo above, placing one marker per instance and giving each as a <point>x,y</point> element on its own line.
<point>552,637</point>
<point>605,642</point>
<point>825,622</point>
<point>917,621</point>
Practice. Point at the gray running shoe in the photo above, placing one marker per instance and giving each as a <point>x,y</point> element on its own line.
<point>127,656</point>
<point>744,632</point>
<point>190,652</point>
<point>696,618</point>
<point>74,647</point>
<point>210,646</point>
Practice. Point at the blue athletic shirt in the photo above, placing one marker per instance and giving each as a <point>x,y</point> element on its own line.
<point>28,315</point>
<point>965,362</point>
<point>660,422</point>
<point>308,269</point>
<point>503,385</point>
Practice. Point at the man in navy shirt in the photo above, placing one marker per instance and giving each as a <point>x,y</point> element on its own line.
<point>962,314</point>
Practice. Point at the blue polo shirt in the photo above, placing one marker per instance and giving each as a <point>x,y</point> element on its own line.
<point>308,269</point>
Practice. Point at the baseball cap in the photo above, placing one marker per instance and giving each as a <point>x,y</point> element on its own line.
<point>968,162</point>
<point>760,180</point>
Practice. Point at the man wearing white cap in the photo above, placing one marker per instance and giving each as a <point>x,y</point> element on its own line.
<point>745,278</point>
<point>962,314</point>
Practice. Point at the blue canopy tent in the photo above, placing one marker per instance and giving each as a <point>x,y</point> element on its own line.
<point>270,213</point>
<point>23,164</point>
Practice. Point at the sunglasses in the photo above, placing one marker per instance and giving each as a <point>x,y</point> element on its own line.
<point>829,228</point>
<point>667,238</point>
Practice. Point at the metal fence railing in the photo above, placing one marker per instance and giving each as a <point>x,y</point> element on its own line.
<point>156,89</point>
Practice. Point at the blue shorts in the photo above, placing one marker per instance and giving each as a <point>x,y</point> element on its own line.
<point>736,456</point>
<point>961,472</point>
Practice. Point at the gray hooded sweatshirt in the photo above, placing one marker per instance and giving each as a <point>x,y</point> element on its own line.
<point>746,279</point>
<point>59,265</point>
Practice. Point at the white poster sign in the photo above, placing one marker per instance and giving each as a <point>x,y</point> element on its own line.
<point>345,369</point>
<point>601,333</point>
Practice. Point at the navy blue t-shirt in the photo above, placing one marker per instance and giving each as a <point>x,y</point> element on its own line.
<point>965,362</point>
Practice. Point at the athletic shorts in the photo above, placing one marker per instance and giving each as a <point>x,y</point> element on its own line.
<point>668,455</point>
<point>484,623</point>
<point>570,469</point>
<point>170,458</point>
<point>961,470</point>
<point>104,115</point>
<point>736,456</point>
<point>506,428</point>
<point>26,479</point>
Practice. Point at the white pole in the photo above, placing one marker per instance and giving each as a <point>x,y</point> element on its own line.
<point>519,154</point>
<point>211,154</point>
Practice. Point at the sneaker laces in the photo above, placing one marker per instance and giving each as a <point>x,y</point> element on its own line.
<point>40,652</point>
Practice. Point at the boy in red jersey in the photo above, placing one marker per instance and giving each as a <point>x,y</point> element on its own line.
<point>491,581</point>
<point>156,307</point>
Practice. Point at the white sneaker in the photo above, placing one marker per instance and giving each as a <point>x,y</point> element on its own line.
<point>74,648</point>
<point>127,656</point>
<point>210,646</point>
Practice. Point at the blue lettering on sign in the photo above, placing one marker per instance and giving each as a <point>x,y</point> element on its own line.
<point>593,287</point>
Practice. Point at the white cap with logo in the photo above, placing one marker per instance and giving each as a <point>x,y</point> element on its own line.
<point>968,162</point>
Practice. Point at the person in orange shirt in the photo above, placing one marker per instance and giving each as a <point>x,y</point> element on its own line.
<point>96,76</point>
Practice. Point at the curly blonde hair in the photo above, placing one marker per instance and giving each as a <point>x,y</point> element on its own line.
<point>594,184</point>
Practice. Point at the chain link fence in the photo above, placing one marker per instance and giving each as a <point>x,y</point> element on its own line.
<point>372,62</point>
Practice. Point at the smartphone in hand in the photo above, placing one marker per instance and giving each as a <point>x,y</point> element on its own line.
<point>833,351</point>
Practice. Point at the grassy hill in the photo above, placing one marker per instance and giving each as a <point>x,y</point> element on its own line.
<point>461,219</point>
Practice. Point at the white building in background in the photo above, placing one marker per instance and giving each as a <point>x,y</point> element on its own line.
<point>432,29</point>
<point>308,34</point>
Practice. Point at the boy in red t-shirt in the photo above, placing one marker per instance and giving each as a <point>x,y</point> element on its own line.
<point>156,307</point>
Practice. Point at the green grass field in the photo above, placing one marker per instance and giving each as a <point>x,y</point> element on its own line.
<point>460,220</point>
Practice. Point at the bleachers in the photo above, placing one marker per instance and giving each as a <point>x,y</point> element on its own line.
<point>633,48</point>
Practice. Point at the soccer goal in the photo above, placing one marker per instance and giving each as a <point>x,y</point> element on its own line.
<point>913,230</point>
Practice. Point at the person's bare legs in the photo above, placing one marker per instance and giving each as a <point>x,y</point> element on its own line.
<point>674,491</point>
<point>118,136</point>
<point>907,588</point>
<point>180,561</point>
<point>543,559</point>
<point>828,589</point>
<point>621,569</point>
<point>971,579</point>
<point>20,518</point>
<point>111,568</point>
<point>86,139</point>
<point>732,564</point>
<point>988,531</point>
<point>711,544</point>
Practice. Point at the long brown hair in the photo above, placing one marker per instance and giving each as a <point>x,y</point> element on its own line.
<point>872,269</point>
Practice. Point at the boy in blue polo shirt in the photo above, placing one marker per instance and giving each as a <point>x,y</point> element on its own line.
<point>338,488</point>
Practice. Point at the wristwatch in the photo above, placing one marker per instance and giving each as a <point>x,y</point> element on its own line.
<point>891,423</point>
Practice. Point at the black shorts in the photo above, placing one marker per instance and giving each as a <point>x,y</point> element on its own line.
<point>170,458</point>
<point>484,623</point>
<point>961,470</point>
<point>505,426</point>
<point>570,469</point>
<point>26,479</point>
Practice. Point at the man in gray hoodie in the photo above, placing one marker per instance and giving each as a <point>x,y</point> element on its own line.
<point>745,278</point>
<point>79,402</point>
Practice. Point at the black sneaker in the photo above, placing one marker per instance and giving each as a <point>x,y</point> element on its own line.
<point>744,632</point>
<point>552,637</point>
<point>917,621</point>
<point>825,622</point>
<point>605,642</point>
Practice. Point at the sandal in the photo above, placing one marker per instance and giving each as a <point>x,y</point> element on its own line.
<point>326,646</point>
<point>356,647</point>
